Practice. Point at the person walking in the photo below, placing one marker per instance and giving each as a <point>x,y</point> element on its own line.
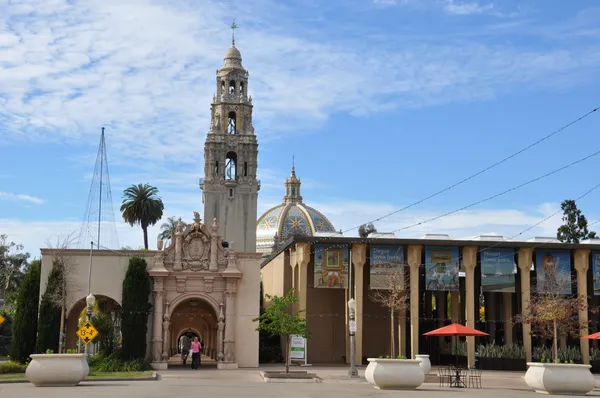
<point>196,347</point>
<point>184,346</point>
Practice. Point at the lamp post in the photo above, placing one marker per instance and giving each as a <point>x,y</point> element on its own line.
<point>90,300</point>
<point>352,372</point>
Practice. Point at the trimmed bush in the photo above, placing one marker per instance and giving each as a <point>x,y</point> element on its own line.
<point>137,287</point>
<point>114,363</point>
<point>25,322</point>
<point>50,311</point>
<point>12,367</point>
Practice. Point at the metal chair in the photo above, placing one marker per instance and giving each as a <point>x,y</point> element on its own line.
<point>474,378</point>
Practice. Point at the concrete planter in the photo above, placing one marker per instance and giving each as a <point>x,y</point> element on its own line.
<point>57,370</point>
<point>425,362</point>
<point>394,374</point>
<point>560,378</point>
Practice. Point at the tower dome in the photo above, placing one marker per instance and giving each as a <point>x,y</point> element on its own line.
<point>291,217</point>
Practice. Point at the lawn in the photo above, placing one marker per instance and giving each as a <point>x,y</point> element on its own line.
<point>93,376</point>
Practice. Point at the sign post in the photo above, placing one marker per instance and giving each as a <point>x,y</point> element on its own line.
<point>298,352</point>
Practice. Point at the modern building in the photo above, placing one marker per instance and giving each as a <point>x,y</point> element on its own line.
<point>483,282</point>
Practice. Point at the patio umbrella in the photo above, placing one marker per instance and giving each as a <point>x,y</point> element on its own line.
<point>595,336</point>
<point>455,330</point>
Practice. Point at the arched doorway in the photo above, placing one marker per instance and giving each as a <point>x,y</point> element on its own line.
<point>195,317</point>
<point>111,317</point>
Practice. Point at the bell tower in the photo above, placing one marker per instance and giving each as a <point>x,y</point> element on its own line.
<point>230,187</point>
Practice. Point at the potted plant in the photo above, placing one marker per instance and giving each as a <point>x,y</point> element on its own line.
<point>395,372</point>
<point>551,313</point>
<point>506,357</point>
<point>57,370</point>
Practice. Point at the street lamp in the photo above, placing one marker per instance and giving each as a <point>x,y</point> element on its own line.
<point>90,300</point>
<point>352,372</point>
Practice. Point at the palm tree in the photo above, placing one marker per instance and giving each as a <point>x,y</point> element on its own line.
<point>167,229</point>
<point>141,205</point>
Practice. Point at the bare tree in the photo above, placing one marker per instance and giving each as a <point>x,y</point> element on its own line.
<point>394,295</point>
<point>66,283</point>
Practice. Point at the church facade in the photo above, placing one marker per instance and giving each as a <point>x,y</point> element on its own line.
<point>206,281</point>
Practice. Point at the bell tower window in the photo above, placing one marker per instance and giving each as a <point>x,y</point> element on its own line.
<point>222,87</point>
<point>241,88</point>
<point>232,87</point>
<point>217,168</point>
<point>231,166</point>
<point>245,169</point>
<point>231,123</point>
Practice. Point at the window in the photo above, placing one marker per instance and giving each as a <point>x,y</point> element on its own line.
<point>231,166</point>
<point>231,192</point>
<point>241,88</point>
<point>222,87</point>
<point>231,123</point>
<point>217,168</point>
<point>232,87</point>
<point>245,169</point>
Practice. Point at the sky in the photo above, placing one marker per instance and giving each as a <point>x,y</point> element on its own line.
<point>382,103</point>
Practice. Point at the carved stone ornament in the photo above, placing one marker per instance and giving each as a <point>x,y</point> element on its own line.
<point>158,284</point>
<point>180,285</point>
<point>208,284</point>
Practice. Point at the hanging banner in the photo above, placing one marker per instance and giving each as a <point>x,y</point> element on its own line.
<point>497,270</point>
<point>331,266</point>
<point>553,271</point>
<point>596,272</point>
<point>384,259</point>
<point>441,268</point>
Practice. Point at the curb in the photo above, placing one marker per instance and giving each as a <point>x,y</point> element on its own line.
<point>154,377</point>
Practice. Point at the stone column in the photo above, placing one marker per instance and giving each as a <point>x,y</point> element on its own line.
<point>220,338</point>
<point>524,263</point>
<point>359,257</point>
<point>414,262</point>
<point>469,256</point>
<point>157,332</point>
<point>229,338</point>
<point>508,315</point>
<point>582,264</point>
<point>166,346</point>
<point>178,245</point>
<point>214,266</point>
<point>303,258</point>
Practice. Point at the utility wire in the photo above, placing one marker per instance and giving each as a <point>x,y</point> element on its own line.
<point>482,171</point>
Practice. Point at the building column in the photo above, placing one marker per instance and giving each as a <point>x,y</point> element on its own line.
<point>454,313</point>
<point>303,258</point>
<point>582,264</point>
<point>414,262</point>
<point>524,262</point>
<point>469,256</point>
<point>157,330</point>
<point>359,258</point>
<point>508,315</point>
<point>229,361</point>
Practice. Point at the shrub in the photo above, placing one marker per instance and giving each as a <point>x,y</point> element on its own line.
<point>137,287</point>
<point>24,326</point>
<point>5,334</point>
<point>50,312</point>
<point>12,367</point>
<point>114,363</point>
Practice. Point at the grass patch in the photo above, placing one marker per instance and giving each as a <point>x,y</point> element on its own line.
<point>94,376</point>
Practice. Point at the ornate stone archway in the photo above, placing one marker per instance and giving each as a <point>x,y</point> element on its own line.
<point>195,266</point>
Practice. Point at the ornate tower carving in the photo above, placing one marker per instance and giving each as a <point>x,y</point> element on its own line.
<point>230,187</point>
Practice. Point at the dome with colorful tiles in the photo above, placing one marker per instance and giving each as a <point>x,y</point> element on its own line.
<point>292,217</point>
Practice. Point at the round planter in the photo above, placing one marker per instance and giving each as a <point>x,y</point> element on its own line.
<point>394,374</point>
<point>425,362</point>
<point>57,370</point>
<point>560,378</point>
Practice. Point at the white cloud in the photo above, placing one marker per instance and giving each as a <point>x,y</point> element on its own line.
<point>467,8</point>
<point>21,198</point>
<point>343,215</point>
<point>145,70</point>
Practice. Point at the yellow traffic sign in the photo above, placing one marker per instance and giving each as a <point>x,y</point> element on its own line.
<point>87,332</point>
<point>2,319</point>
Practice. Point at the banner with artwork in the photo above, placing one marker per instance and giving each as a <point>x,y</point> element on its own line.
<point>497,270</point>
<point>384,260</point>
<point>596,272</point>
<point>553,271</point>
<point>331,266</point>
<point>441,268</point>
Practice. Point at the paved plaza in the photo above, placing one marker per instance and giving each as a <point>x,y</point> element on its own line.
<point>184,383</point>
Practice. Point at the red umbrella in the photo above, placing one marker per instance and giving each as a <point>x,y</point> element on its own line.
<point>455,329</point>
<point>595,336</point>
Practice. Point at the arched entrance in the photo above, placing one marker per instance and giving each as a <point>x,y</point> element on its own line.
<point>109,312</point>
<point>195,317</point>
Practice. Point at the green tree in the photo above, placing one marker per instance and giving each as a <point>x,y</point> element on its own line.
<point>13,267</point>
<point>50,312</point>
<point>141,205</point>
<point>137,287</point>
<point>25,321</point>
<point>575,225</point>
<point>167,229</point>
<point>278,320</point>
<point>5,334</point>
